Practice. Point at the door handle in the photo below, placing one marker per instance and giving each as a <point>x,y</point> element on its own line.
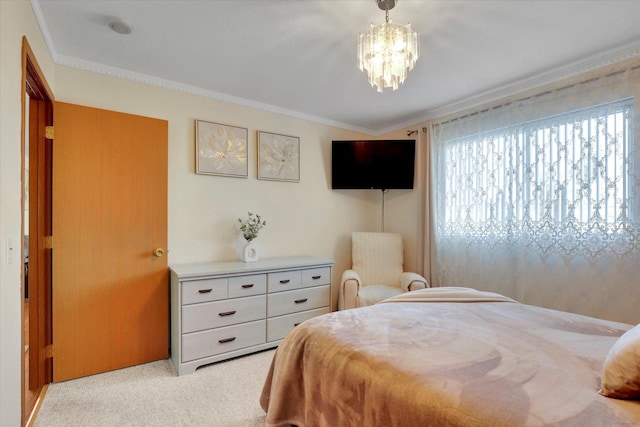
<point>159,252</point>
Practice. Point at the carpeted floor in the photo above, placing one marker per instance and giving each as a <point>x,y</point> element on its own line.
<point>224,394</point>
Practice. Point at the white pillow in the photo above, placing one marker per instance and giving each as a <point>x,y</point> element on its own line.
<point>621,371</point>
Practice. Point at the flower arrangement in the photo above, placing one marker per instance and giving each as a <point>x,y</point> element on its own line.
<point>251,226</point>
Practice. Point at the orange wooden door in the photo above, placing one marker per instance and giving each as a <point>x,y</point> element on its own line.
<point>110,292</point>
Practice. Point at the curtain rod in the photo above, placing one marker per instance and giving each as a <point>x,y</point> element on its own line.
<point>538,95</point>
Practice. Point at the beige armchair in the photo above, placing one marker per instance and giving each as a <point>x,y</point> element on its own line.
<point>377,271</point>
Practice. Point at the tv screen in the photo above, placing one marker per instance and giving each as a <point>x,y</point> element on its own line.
<point>372,164</point>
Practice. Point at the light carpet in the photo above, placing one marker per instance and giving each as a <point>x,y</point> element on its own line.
<point>224,394</point>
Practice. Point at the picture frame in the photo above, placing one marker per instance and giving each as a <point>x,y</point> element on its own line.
<point>278,157</point>
<point>221,149</point>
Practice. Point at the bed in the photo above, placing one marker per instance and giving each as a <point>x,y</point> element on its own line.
<point>450,357</point>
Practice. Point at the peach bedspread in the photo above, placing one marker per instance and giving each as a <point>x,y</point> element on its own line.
<point>445,357</point>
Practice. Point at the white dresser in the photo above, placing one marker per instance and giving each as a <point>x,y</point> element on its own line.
<point>221,310</point>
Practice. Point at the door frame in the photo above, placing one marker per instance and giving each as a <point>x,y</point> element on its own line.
<point>34,84</point>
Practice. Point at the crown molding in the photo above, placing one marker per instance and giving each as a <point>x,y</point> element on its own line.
<point>194,90</point>
<point>44,29</point>
<point>589,64</point>
<point>168,84</point>
<point>576,68</point>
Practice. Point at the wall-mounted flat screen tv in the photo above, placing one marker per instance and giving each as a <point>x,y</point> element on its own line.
<point>372,164</point>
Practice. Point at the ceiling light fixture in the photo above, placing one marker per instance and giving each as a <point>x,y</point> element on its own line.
<point>388,51</point>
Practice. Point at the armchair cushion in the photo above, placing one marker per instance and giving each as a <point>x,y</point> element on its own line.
<point>377,257</point>
<point>372,294</point>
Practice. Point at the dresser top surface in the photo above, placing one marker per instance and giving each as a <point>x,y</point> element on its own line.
<point>240,267</point>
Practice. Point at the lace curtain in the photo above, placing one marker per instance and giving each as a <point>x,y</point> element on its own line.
<point>539,198</point>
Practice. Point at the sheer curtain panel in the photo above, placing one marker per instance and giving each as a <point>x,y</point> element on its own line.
<point>539,198</point>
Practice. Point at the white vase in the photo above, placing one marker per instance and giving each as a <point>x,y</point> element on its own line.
<point>250,253</point>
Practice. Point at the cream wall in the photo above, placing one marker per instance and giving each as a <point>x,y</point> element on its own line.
<point>306,218</point>
<point>16,19</point>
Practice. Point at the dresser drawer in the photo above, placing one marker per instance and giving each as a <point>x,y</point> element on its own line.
<point>279,327</point>
<point>297,300</point>
<point>220,340</point>
<point>283,281</point>
<point>198,317</point>
<point>316,277</point>
<point>242,286</point>
<point>195,291</point>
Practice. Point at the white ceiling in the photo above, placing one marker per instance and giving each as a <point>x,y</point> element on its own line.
<point>298,57</point>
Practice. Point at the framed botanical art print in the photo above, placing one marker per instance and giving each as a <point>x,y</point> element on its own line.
<point>278,157</point>
<point>221,149</point>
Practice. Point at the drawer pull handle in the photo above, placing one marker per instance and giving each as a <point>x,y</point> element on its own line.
<point>227,313</point>
<point>227,340</point>
<point>299,301</point>
<point>285,281</point>
<point>205,291</point>
<point>316,277</point>
<point>248,285</point>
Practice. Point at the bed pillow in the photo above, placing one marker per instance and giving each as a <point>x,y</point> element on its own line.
<point>621,371</point>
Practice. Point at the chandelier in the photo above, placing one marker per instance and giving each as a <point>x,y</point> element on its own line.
<point>388,51</point>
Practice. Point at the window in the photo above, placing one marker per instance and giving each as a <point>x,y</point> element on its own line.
<point>538,197</point>
<point>570,172</point>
